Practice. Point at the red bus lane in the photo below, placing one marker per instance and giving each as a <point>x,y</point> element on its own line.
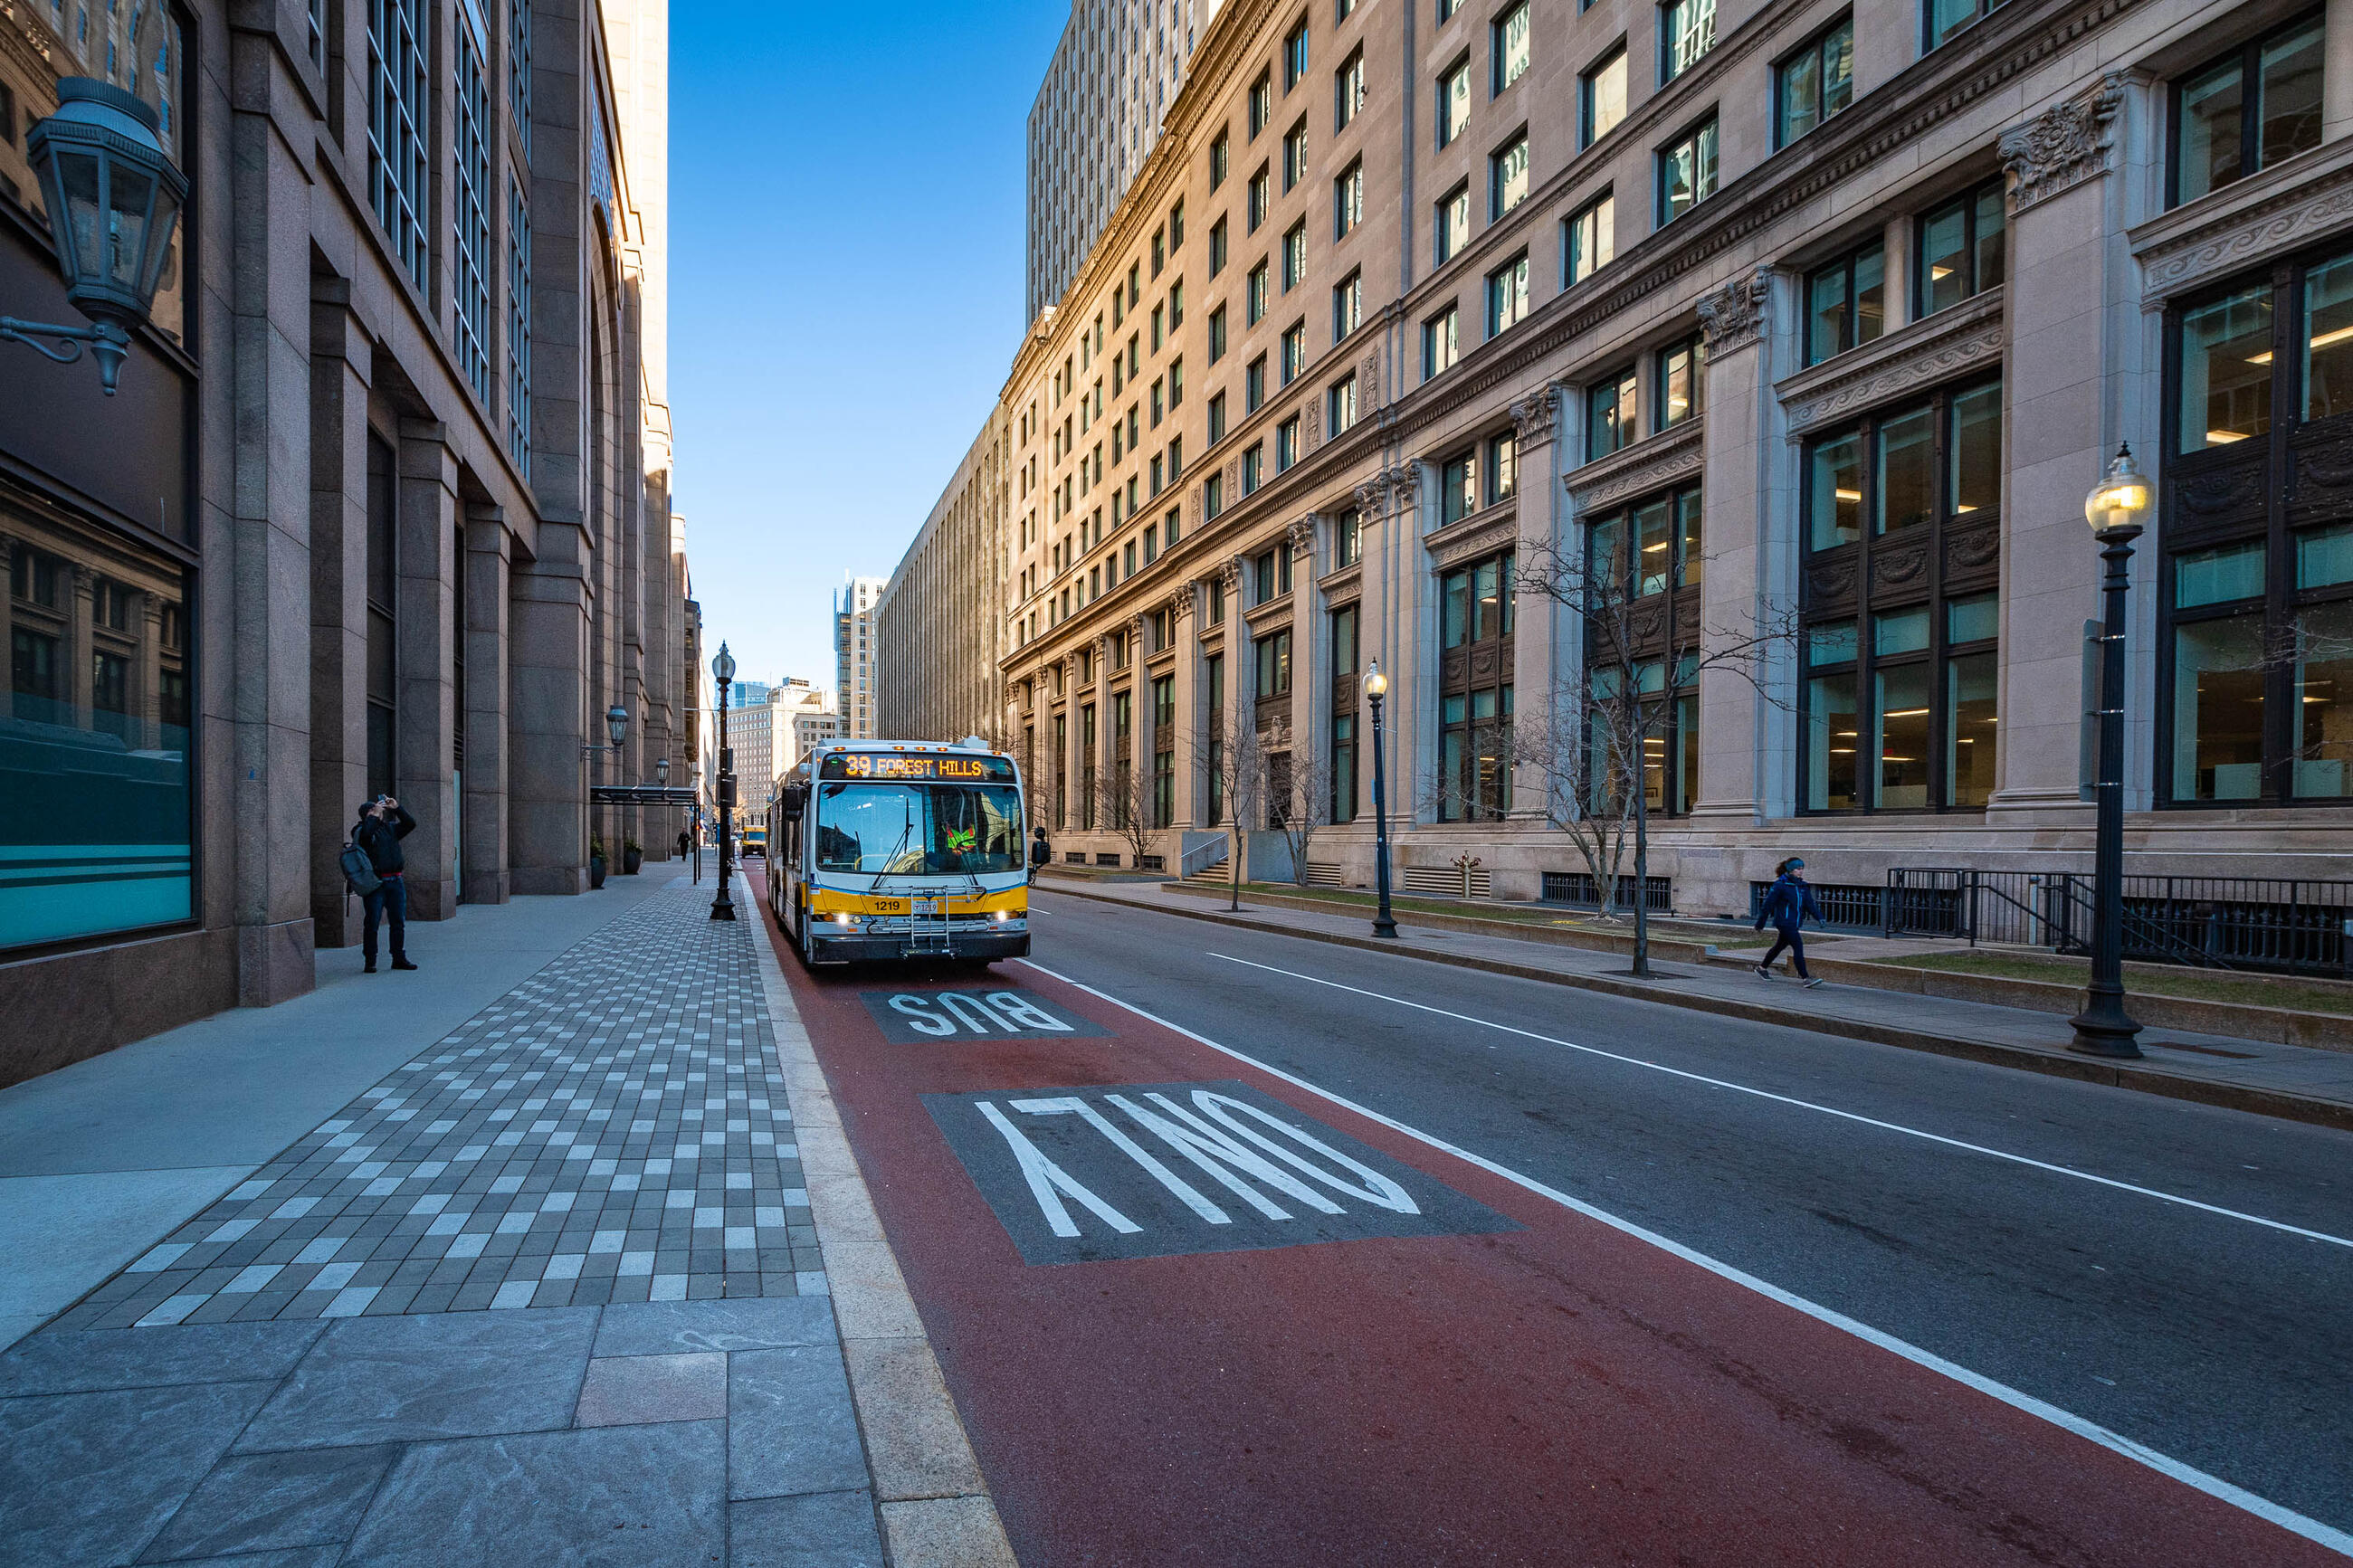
<point>1419,1362</point>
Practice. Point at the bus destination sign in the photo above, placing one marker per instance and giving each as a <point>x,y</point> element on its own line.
<point>893,765</point>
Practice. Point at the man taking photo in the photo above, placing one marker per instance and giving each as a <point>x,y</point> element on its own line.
<point>382,826</point>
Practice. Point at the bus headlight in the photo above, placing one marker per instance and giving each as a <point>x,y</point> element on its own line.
<point>845,919</point>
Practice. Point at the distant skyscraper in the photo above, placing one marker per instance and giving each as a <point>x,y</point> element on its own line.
<point>853,654</point>
<point>1116,70</point>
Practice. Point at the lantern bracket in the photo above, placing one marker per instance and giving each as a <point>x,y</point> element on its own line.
<point>108,345</point>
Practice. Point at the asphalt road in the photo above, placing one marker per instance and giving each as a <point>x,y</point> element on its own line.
<point>2191,1315</point>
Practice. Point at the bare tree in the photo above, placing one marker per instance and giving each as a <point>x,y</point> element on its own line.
<point>1298,794</point>
<point>1236,756</point>
<point>1644,643</point>
<point>1126,793</point>
<point>1588,793</point>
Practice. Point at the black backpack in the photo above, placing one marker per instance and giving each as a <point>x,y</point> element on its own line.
<point>359,871</point>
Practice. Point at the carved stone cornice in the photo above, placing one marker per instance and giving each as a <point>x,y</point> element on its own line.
<point>1495,528</point>
<point>1646,465</point>
<point>1535,416</point>
<point>2281,209</point>
<point>1968,336</point>
<point>1735,315</point>
<point>1346,580</point>
<point>2061,147</point>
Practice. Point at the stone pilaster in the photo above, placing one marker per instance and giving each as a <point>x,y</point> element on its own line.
<point>1311,664</point>
<point>340,361</point>
<point>424,610</point>
<point>547,718</point>
<point>1537,624</point>
<point>487,564</point>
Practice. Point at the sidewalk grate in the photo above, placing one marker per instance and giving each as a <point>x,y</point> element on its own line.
<point>612,1130</point>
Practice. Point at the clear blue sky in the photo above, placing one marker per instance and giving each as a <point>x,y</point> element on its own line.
<point>846,288</point>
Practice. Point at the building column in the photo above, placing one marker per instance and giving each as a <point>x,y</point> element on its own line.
<point>425,605</point>
<point>1183,805</point>
<point>2065,414</point>
<point>1311,665</point>
<point>1536,638</point>
<point>341,362</point>
<point>80,646</point>
<point>1106,735</point>
<point>547,719</point>
<point>487,565</point>
<point>1747,766</point>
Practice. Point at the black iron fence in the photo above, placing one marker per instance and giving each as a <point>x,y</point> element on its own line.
<point>1584,887</point>
<point>1844,906</point>
<point>2220,923</point>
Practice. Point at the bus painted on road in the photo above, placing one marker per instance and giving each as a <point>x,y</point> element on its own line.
<point>889,850</point>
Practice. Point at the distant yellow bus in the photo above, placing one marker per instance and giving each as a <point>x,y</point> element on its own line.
<point>756,842</point>
<point>893,850</point>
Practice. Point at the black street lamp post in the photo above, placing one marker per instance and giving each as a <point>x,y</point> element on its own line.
<point>722,669</point>
<point>2114,509</point>
<point>1376,686</point>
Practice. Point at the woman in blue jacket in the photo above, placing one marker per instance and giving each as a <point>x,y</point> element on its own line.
<point>1786,904</point>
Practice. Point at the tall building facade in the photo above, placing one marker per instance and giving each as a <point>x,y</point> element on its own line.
<point>1119,66</point>
<point>751,734</point>
<point>939,625</point>
<point>854,655</point>
<point>382,506</point>
<point>1796,329</point>
<point>804,718</point>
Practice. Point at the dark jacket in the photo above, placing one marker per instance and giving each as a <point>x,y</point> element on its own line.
<point>381,836</point>
<point>1040,852</point>
<point>1785,903</point>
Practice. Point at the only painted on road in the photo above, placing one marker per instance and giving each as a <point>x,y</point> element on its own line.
<point>926,1018</point>
<point>1156,1170</point>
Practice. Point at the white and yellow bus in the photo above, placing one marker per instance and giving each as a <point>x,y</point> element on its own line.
<point>884,851</point>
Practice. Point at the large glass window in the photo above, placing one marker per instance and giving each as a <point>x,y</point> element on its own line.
<point>1510,46</point>
<point>1680,380</point>
<point>1687,170</point>
<point>518,323</point>
<point>2258,576</point>
<point>1441,341</point>
<point>1507,178</point>
<point>1272,652</point>
<point>1458,486</point>
<point>1846,303</point>
<point>1451,224</point>
<point>1601,97</point>
<point>94,734</point>
<point>1686,32</point>
<point>2256,105</point>
<point>1507,294</point>
<point>1454,100</point>
<point>1814,83</point>
<point>1609,414</point>
<point>1960,249</point>
<point>1475,628</point>
<point>400,154</point>
<point>1901,619</point>
<point>1589,240</point>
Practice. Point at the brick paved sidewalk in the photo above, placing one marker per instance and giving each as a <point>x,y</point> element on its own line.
<point>548,1292</point>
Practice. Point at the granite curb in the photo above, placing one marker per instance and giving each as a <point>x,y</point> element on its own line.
<point>2057,1064</point>
<point>934,1503</point>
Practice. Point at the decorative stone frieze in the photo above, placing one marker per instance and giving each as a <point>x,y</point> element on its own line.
<point>1647,465</point>
<point>2062,146</point>
<point>2280,210</point>
<point>1948,344</point>
<point>1735,315</point>
<point>1478,536</point>
<point>1368,380</point>
<point>1534,416</point>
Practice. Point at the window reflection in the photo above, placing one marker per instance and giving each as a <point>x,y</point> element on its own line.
<point>94,801</point>
<point>2226,371</point>
<point>2217,710</point>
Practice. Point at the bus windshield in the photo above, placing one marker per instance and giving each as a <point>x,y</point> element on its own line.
<point>918,829</point>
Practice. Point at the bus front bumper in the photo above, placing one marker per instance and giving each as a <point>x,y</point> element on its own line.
<point>891,947</point>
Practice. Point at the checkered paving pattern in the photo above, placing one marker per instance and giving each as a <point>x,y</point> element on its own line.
<point>614,1128</point>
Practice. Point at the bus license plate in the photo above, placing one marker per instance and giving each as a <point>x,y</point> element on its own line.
<point>927,906</point>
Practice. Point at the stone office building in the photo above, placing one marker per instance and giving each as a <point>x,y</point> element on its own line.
<point>1822,317</point>
<point>939,630</point>
<point>382,506</point>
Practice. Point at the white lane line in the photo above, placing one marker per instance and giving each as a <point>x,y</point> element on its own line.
<point>2262,1508</point>
<point>1825,1110</point>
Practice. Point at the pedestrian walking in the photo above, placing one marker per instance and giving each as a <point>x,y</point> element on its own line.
<point>382,826</point>
<point>684,844</point>
<point>1786,904</point>
<point>1041,853</point>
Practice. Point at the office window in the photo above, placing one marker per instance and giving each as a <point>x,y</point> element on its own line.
<point>1168,526</point>
<point>1347,306</point>
<point>1510,41</point>
<point>1454,101</point>
<point>471,262</point>
<point>1342,10</point>
<point>1159,326</point>
<point>1254,296</point>
<point>1213,680</point>
<point>1502,466</point>
<point>1217,334</point>
<point>1846,303</point>
<point>1272,652</point>
<point>1814,83</point>
<point>1176,305</point>
<point>1899,687</point>
<point>1609,421</point>
<point>1262,104</point>
<point>1344,767</point>
<point>1159,250</point>
<point>1294,56</point>
<point>1294,352</point>
<point>1348,91</point>
<point>1451,224</point>
<point>1221,155</point>
<point>1253,468</point>
<point>1340,405</point>
<point>1254,385</point>
<point>1255,200</point>
<point>1159,406</point>
<point>1347,537</point>
<point>1589,240</point>
<point>1348,200</point>
<point>400,156</point>
<point>1294,256</point>
<point>1213,502</point>
<point>1601,97</point>
<point>1262,576</point>
<point>1445,9</point>
<point>1458,488</point>
<point>1687,170</point>
<point>1960,249</point>
<point>1942,19</point>
<point>1217,418</point>
<point>1176,383</point>
<point>1652,547</point>
<point>1286,444</point>
<point>1475,710</point>
<point>518,326</point>
<point>1507,178</point>
<point>2247,111</point>
<point>1163,745</point>
<point>1218,249</point>
<point>1440,342</point>
<point>1686,32</point>
<point>1294,156</point>
<point>1507,294</point>
<point>1680,380</point>
<point>1176,225</point>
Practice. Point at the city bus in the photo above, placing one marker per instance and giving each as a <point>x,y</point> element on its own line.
<point>891,850</point>
<point>756,841</point>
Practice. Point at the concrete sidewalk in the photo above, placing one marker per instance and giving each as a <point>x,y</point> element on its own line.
<point>510,1260</point>
<point>2297,1083</point>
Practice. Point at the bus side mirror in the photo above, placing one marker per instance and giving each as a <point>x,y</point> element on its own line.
<point>794,799</point>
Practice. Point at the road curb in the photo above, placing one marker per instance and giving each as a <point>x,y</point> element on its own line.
<point>934,1505</point>
<point>2083,1070</point>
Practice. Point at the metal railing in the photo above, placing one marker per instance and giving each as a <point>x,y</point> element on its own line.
<point>1202,856</point>
<point>1583,888</point>
<point>1844,906</point>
